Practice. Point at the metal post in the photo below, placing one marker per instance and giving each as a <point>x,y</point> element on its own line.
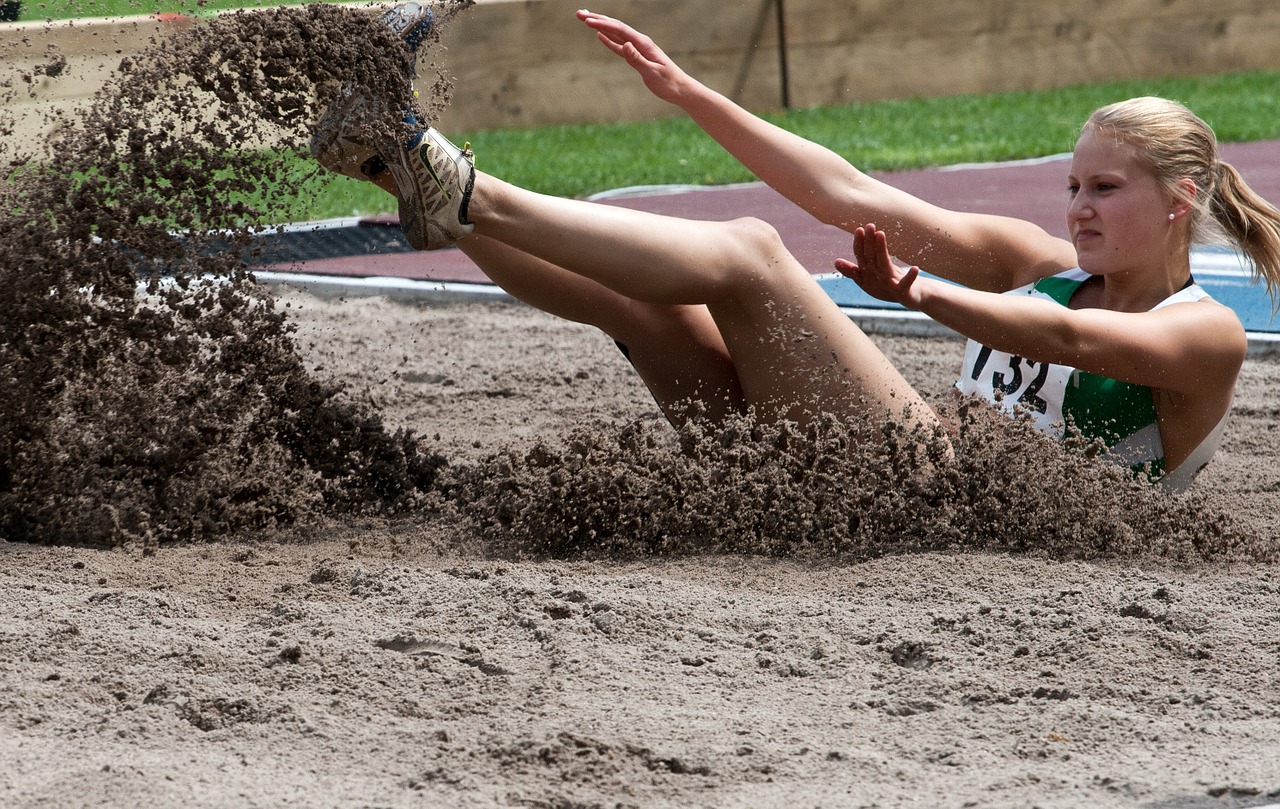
<point>785,74</point>
<point>756,35</point>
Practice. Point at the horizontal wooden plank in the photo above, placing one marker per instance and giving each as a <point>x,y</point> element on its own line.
<point>530,62</point>
<point>996,62</point>
<point>814,21</point>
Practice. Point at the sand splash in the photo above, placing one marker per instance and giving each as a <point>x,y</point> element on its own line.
<point>835,491</point>
<point>184,411</point>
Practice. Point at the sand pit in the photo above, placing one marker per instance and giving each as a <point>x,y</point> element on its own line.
<point>373,662</point>
<point>360,553</point>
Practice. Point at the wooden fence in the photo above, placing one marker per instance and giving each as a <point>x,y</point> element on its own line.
<point>518,63</point>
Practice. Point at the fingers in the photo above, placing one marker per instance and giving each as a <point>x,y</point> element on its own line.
<point>617,47</point>
<point>880,249</point>
<point>607,26</point>
<point>861,254</point>
<point>875,271</point>
<point>605,32</point>
<point>616,34</point>
<point>870,247</point>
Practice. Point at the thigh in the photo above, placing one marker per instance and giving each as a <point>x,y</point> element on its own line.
<point>680,354</point>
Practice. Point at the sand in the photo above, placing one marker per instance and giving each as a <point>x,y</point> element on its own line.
<point>376,662</point>
<point>361,553</point>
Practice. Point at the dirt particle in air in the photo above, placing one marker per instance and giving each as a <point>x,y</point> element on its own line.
<point>149,390</point>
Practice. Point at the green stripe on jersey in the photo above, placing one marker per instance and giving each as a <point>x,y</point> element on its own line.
<point>1060,289</point>
<point>1106,409</point>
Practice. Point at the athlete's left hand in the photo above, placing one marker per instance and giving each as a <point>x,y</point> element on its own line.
<point>876,272</point>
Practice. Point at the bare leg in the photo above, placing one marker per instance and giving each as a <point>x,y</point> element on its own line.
<point>677,350</point>
<point>793,351</point>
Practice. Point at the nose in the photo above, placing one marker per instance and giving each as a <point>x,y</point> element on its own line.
<point>1078,209</point>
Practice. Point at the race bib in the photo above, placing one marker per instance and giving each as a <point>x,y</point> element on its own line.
<point>1016,385</point>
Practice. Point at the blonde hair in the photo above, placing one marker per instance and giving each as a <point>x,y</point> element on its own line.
<point>1176,145</point>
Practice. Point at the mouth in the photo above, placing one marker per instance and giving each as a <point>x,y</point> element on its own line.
<point>1086,235</point>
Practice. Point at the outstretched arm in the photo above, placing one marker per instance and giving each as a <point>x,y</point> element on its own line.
<point>1188,348</point>
<point>985,252</point>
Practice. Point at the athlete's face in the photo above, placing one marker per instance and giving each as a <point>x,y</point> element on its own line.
<point>1118,216</point>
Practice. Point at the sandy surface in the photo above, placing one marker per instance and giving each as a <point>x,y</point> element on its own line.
<point>427,659</point>
<point>372,663</point>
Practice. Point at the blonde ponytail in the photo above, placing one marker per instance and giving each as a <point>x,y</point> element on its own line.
<point>1252,223</point>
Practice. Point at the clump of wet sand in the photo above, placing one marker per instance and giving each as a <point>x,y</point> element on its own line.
<point>149,390</point>
<point>834,490</point>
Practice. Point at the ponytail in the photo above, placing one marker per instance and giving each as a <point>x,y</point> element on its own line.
<point>1252,223</point>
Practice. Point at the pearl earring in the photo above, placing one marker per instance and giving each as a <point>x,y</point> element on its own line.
<point>1172,217</point>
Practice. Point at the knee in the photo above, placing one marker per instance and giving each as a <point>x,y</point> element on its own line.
<point>760,259</point>
<point>757,238</point>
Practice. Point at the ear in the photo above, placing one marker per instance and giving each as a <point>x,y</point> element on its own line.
<point>1183,199</point>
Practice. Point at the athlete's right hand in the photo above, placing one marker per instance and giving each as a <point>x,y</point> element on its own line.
<point>663,77</point>
<point>876,272</point>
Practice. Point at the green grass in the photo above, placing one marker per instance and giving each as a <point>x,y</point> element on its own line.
<point>68,9</point>
<point>915,133</point>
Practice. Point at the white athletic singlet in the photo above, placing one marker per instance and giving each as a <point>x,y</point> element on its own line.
<point>1119,414</point>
